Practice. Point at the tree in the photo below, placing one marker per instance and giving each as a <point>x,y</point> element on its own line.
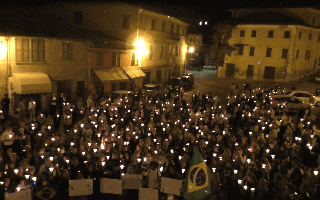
<point>222,32</point>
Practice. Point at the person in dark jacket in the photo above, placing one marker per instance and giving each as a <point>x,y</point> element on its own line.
<point>262,192</point>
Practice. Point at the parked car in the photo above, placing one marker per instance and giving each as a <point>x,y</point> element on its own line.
<point>189,79</point>
<point>304,96</point>
<point>175,83</point>
<point>291,104</point>
<point>116,94</point>
<point>209,67</point>
<point>153,89</point>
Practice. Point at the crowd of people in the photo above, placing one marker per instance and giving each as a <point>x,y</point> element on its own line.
<point>254,149</point>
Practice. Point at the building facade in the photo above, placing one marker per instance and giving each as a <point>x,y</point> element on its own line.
<point>164,37</point>
<point>272,50</point>
<point>37,67</point>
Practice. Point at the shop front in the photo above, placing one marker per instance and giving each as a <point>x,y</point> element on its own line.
<point>35,86</point>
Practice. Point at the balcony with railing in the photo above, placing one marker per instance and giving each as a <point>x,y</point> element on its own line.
<point>173,36</point>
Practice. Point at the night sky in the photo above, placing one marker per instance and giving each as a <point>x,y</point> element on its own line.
<point>211,10</point>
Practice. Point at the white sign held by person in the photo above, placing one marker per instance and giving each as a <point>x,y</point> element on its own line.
<point>171,186</point>
<point>148,193</point>
<point>19,195</point>
<point>132,181</point>
<point>113,186</point>
<point>80,187</point>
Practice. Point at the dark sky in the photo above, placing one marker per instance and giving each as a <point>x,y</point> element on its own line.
<point>199,9</point>
<point>213,10</point>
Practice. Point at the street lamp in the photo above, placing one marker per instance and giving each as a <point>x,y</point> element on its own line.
<point>140,45</point>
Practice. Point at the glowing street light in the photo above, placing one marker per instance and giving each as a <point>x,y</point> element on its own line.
<point>140,45</point>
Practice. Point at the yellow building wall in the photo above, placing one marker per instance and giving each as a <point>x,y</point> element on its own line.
<point>57,69</point>
<point>289,67</point>
<point>108,18</point>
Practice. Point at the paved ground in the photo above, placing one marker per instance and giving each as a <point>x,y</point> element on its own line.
<point>206,80</point>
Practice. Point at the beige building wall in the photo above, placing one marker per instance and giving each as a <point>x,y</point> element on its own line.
<point>109,19</point>
<point>57,69</point>
<point>289,67</point>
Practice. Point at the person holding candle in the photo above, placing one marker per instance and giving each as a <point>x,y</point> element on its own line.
<point>8,137</point>
<point>7,186</point>
<point>49,168</point>
<point>32,108</point>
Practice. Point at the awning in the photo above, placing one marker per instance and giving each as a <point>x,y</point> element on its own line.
<point>114,74</point>
<point>134,72</point>
<point>33,82</point>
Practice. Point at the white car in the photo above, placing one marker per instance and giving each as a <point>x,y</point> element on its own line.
<point>209,67</point>
<point>291,104</point>
<point>304,96</point>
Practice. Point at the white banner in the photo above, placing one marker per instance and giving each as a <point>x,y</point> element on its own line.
<point>21,195</point>
<point>171,186</point>
<point>131,181</point>
<point>80,187</point>
<point>148,193</point>
<point>113,186</point>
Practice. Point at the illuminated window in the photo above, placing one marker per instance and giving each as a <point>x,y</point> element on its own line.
<point>206,23</point>
<point>200,23</point>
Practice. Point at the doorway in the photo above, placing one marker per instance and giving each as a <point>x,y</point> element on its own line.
<point>269,72</point>
<point>250,71</point>
<point>64,86</point>
<point>146,80</point>
<point>230,70</point>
